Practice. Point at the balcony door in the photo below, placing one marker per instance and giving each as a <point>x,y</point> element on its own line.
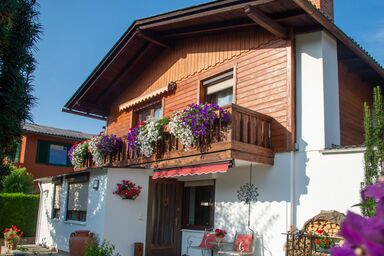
<point>164,217</point>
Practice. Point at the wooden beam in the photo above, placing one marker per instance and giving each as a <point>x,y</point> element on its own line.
<point>267,23</point>
<point>155,39</point>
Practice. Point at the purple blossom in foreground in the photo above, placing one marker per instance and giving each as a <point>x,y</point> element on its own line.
<point>364,236</point>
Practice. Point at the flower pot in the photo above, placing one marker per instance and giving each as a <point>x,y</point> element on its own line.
<point>78,242</point>
<point>10,246</point>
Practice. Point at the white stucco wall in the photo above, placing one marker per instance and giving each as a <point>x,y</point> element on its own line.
<point>317,95</point>
<point>56,232</point>
<point>126,220</point>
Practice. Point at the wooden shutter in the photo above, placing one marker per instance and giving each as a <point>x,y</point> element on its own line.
<point>42,152</point>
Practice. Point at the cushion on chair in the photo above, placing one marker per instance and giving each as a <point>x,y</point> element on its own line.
<point>243,241</point>
<point>207,238</point>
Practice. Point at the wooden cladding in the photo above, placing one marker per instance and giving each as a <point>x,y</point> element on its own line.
<point>194,55</point>
<point>262,73</point>
<point>353,92</point>
<point>247,137</point>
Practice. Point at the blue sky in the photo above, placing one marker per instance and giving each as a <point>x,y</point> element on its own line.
<point>77,35</point>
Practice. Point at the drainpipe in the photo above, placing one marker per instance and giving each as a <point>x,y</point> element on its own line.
<point>39,214</point>
<point>293,190</point>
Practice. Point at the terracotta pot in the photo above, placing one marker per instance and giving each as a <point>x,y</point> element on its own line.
<point>10,246</point>
<point>78,242</point>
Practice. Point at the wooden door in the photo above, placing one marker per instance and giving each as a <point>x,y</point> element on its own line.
<point>164,217</point>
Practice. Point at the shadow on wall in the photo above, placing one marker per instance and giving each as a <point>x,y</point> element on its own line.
<point>270,215</point>
<point>59,230</point>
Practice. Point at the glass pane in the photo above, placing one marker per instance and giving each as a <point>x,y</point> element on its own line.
<point>222,98</point>
<point>158,112</point>
<point>200,205</point>
<point>78,196</point>
<point>144,115</point>
<point>58,154</point>
<point>56,200</point>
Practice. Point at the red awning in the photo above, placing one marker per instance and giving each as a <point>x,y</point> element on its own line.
<point>189,171</point>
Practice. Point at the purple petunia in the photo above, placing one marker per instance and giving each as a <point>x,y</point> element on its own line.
<point>200,117</point>
<point>364,236</point>
<point>109,144</point>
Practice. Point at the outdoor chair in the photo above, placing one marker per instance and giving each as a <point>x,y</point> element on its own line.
<point>204,245</point>
<point>244,244</point>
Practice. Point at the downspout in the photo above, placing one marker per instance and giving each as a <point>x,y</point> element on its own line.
<point>293,191</point>
<point>39,214</point>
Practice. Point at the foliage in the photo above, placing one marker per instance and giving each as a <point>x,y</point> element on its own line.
<point>20,210</point>
<point>323,241</point>
<point>5,170</point>
<point>18,181</point>
<point>364,235</point>
<point>94,248</point>
<point>12,235</point>
<point>374,142</point>
<point>19,31</point>
<point>149,134</point>
<point>78,152</point>
<point>128,190</point>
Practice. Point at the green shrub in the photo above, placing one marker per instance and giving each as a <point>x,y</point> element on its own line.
<point>18,181</point>
<point>20,210</point>
<point>5,170</point>
<point>94,248</point>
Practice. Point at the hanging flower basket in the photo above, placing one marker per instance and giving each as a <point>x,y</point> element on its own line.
<point>128,190</point>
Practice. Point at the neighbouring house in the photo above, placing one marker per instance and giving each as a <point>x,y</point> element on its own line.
<point>294,86</point>
<point>43,150</point>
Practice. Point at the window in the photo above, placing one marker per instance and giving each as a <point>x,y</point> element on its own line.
<point>198,205</point>
<point>153,111</point>
<point>77,197</point>
<point>219,89</point>
<point>53,153</point>
<point>56,198</point>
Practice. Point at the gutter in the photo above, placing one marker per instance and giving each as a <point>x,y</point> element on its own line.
<point>37,235</point>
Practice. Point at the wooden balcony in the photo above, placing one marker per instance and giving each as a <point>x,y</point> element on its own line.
<point>246,137</point>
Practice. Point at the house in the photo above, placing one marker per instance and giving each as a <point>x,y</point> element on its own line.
<point>294,85</point>
<point>43,150</point>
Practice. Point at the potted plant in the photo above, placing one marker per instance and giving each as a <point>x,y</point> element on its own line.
<point>128,190</point>
<point>12,237</point>
<point>220,234</point>
<point>323,243</point>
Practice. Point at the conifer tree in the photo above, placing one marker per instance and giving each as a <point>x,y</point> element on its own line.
<point>19,30</point>
<point>374,143</point>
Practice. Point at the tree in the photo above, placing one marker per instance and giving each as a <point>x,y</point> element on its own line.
<point>374,143</point>
<point>19,30</point>
<point>18,181</point>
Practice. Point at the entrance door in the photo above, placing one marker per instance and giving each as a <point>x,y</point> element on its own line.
<point>164,217</point>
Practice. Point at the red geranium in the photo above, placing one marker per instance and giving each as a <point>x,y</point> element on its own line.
<point>128,190</point>
<point>12,235</point>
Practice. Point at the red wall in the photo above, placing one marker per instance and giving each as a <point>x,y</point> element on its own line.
<point>28,154</point>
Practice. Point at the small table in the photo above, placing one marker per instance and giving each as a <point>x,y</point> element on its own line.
<point>218,245</point>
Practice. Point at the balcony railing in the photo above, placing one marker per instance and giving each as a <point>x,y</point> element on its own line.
<point>247,137</point>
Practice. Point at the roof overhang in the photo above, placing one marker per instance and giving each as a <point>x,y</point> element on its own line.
<point>146,38</point>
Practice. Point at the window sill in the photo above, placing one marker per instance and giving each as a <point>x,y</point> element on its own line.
<point>74,222</point>
<point>192,230</point>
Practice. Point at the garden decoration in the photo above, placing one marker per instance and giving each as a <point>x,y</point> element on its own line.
<point>248,194</point>
<point>128,190</point>
<point>12,237</point>
<point>364,235</point>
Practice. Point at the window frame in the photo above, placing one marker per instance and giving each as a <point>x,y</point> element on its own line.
<point>152,106</point>
<point>56,212</point>
<point>211,75</point>
<point>76,179</point>
<point>185,208</point>
<point>48,144</point>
